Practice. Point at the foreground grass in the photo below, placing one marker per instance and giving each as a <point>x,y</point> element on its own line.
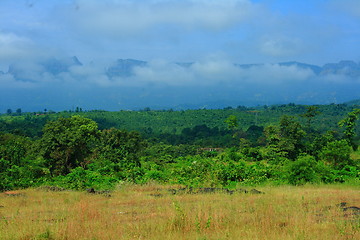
<point>150,212</point>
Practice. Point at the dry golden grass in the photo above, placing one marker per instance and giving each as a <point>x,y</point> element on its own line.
<point>150,212</point>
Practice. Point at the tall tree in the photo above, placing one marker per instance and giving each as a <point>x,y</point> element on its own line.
<point>312,111</point>
<point>18,111</point>
<point>232,122</point>
<point>67,142</point>
<point>349,123</point>
<point>120,147</point>
<point>287,138</point>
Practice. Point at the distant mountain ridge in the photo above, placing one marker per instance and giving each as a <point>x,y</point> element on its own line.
<point>125,67</point>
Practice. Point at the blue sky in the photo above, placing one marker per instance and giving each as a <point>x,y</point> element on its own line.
<point>212,33</point>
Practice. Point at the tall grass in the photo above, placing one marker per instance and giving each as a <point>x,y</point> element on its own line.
<point>151,212</point>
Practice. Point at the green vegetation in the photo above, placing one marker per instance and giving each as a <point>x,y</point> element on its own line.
<point>285,144</point>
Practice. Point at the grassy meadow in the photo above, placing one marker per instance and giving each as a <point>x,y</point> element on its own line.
<point>152,212</point>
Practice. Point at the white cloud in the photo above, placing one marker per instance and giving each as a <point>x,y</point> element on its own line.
<point>163,72</point>
<point>215,71</point>
<point>204,73</point>
<point>280,46</point>
<point>124,17</point>
<point>7,81</point>
<point>13,46</point>
<point>276,74</point>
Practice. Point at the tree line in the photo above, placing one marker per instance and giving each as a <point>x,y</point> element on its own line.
<point>74,152</point>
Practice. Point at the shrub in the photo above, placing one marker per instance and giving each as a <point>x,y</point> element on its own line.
<point>81,179</point>
<point>336,153</point>
<point>304,169</point>
<point>232,172</point>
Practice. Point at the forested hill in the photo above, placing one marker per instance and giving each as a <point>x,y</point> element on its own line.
<point>153,123</point>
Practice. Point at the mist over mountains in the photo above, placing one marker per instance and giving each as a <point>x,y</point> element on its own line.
<point>64,83</point>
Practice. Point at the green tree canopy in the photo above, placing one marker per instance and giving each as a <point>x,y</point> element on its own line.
<point>232,122</point>
<point>286,138</point>
<point>312,111</point>
<point>67,142</point>
<point>120,146</point>
<point>349,123</point>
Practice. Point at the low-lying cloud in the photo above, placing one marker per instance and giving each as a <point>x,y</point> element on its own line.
<point>164,73</point>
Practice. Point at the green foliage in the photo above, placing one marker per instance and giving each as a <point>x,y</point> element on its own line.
<point>67,142</point>
<point>261,172</point>
<point>336,153</point>
<point>14,148</point>
<point>349,123</point>
<point>73,153</point>
<point>162,153</point>
<point>285,140</point>
<point>81,179</point>
<point>32,173</point>
<point>155,173</point>
<point>315,146</point>
<point>303,170</point>
<point>311,112</point>
<point>232,172</point>
<point>232,122</point>
<point>193,171</point>
<point>121,147</point>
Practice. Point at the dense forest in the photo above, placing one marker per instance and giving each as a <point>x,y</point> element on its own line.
<point>280,144</point>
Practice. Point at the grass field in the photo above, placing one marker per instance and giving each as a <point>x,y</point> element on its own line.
<point>152,212</point>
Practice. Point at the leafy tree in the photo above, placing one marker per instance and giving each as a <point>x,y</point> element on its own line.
<point>315,146</point>
<point>9,111</point>
<point>291,136</point>
<point>253,133</point>
<point>285,140</point>
<point>18,111</point>
<point>349,123</point>
<point>161,153</point>
<point>337,153</point>
<point>119,151</point>
<point>67,143</point>
<point>232,122</point>
<point>13,148</point>
<point>312,111</point>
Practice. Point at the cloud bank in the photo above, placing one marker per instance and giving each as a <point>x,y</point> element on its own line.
<point>210,72</point>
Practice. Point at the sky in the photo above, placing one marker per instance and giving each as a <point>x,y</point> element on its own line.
<point>211,33</point>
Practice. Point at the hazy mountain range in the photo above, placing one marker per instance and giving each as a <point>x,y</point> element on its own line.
<point>125,67</point>
<point>61,84</point>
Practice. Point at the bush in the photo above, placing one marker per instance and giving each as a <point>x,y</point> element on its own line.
<point>336,153</point>
<point>232,172</point>
<point>80,179</point>
<point>260,172</point>
<point>304,169</point>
